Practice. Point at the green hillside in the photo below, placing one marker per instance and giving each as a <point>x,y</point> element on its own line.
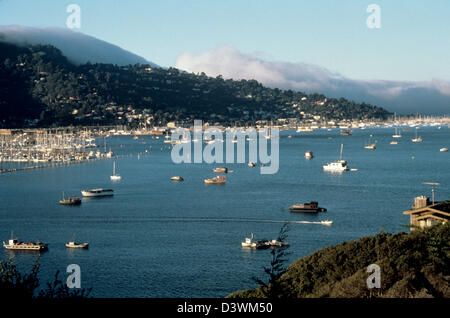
<point>412,264</point>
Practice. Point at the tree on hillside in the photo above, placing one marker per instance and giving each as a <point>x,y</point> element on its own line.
<point>274,287</point>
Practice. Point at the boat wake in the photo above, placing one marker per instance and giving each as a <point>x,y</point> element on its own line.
<point>176,219</point>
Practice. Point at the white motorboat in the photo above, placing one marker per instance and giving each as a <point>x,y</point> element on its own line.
<point>443,149</point>
<point>73,244</point>
<point>309,154</point>
<point>97,192</point>
<point>326,222</point>
<point>115,177</point>
<point>338,165</point>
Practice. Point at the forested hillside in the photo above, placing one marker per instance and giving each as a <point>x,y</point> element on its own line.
<point>39,87</point>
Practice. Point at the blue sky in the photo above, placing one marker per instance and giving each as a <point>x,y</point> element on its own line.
<point>412,44</point>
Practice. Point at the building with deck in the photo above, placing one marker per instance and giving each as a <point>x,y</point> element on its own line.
<point>424,213</point>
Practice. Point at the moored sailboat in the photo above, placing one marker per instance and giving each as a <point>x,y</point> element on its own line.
<point>115,177</point>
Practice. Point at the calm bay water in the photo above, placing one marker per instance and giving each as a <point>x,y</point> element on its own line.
<point>158,238</point>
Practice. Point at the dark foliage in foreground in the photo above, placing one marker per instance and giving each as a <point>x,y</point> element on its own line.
<point>17,285</point>
<point>412,264</point>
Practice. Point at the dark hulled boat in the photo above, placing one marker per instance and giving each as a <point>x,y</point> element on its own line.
<point>311,207</point>
<point>70,201</point>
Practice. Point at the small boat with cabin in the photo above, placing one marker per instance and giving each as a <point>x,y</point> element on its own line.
<point>370,145</point>
<point>309,154</point>
<point>338,165</point>
<point>70,201</point>
<point>220,170</point>
<point>216,180</point>
<point>177,178</point>
<point>73,244</point>
<point>250,242</point>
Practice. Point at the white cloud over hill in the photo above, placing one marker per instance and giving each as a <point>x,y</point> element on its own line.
<point>432,97</point>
